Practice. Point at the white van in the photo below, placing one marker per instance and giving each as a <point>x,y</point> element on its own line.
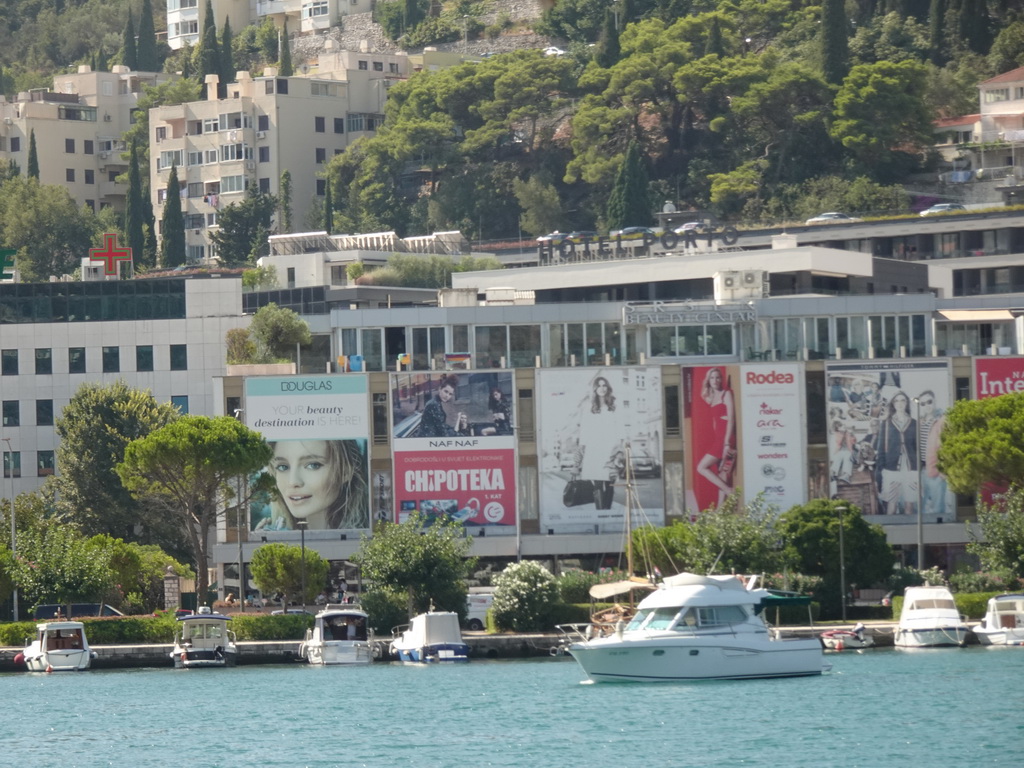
<point>478,602</point>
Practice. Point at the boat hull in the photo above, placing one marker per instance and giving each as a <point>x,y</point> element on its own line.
<point>678,660</point>
<point>838,641</point>
<point>431,654</point>
<point>931,637</point>
<point>335,653</point>
<point>203,658</point>
<point>59,661</point>
<point>1000,636</point>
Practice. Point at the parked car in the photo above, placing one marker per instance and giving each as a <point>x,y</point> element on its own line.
<point>553,238</point>
<point>583,236</point>
<point>78,610</point>
<point>832,217</point>
<point>632,233</point>
<point>943,208</point>
<point>691,226</point>
<point>553,50</point>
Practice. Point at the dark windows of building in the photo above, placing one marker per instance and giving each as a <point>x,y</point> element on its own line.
<point>378,66</point>
<point>265,185</point>
<point>45,463</point>
<point>321,187</point>
<point>44,413</point>
<point>264,154</point>
<point>76,360</point>
<point>380,418</point>
<point>69,146</point>
<point>111,359</point>
<point>179,357</point>
<point>144,357</point>
<point>321,155</point>
<point>282,85</point>
<point>364,65</point>
<point>339,125</point>
<point>180,402</point>
<point>12,463</point>
<point>263,122</point>
<point>88,146</point>
<point>44,361</point>
<point>9,362</point>
<point>69,174</point>
<point>12,413</point>
<point>319,124</point>
<point>90,176</point>
<point>15,144</point>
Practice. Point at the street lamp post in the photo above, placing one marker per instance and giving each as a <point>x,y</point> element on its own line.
<point>302,538</point>
<point>920,492</point>
<point>240,520</point>
<point>841,511</point>
<point>14,536</point>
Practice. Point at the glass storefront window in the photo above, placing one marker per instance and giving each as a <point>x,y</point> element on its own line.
<point>491,345</point>
<point>574,343</point>
<point>524,345</point>
<point>556,345</point>
<point>373,349</point>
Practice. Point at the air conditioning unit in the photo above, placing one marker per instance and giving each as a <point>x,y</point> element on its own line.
<point>250,164</point>
<point>261,134</point>
<point>727,285</point>
<point>729,281</point>
<point>104,155</point>
<point>106,118</point>
<point>752,277</point>
<point>8,120</point>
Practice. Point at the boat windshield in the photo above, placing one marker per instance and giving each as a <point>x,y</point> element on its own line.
<point>637,621</point>
<point>662,618</point>
<point>925,604</point>
<point>712,616</point>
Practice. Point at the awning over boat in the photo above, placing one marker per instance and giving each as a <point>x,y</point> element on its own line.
<point>604,591</point>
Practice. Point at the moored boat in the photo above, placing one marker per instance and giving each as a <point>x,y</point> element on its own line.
<point>59,646</point>
<point>1003,623</point>
<point>340,635</point>
<point>204,640</point>
<point>694,627</point>
<point>842,639</point>
<point>929,619</point>
<point>430,637</point>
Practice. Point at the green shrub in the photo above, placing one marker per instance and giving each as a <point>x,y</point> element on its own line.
<point>386,608</point>
<point>16,633</point>
<point>524,597</point>
<point>973,604</point>
<point>985,581</point>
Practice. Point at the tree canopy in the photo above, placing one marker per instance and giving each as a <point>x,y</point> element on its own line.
<point>277,568</point>
<point>983,442</point>
<point>998,540</point>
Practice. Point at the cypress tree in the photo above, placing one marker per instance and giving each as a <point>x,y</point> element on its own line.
<point>146,53</point>
<point>133,210</point>
<point>32,171</point>
<point>102,63</point>
<point>172,242</point>
<point>628,204</point>
<point>284,203</point>
<point>328,207</point>
<point>129,52</point>
<point>227,62</point>
<point>209,49</point>
<point>714,43</point>
<point>937,32</point>
<point>285,64</point>
<point>608,49</point>
<point>149,247</point>
<point>835,49</point>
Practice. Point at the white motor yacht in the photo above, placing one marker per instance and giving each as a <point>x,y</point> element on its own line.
<point>695,627</point>
<point>59,646</point>
<point>430,637</point>
<point>1004,621</point>
<point>340,635</point>
<point>930,619</point>
<point>204,640</point>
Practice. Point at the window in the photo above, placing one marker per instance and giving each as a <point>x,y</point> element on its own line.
<point>378,66</point>
<point>179,357</point>
<point>195,158</point>
<point>282,85</point>
<point>9,362</point>
<point>339,125</point>
<point>144,358</point>
<point>88,146</point>
<point>45,463</point>
<point>91,205</point>
<point>69,174</point>
<point>180,402</point>
<point>15,144</point>
<point>112,176</point>
<point>363,65</point>
<point>171,157</point>
<point>264,154</point>
<point>323,89</point>
<point>393,68</point>
<point>12,464</point>
<point>232,121</point>
<point>232,152</point>
<point>44,413</point>
<point>161,133</point>
<point>319,124</point>
<point>69,146</point>
<point>263,122</point>
<point>265,185</point>
<point>90,176</point>
<point>44,361</point>
<point>76,360</point>
<point>195,189</point>
<point>232,184</point>
<point>268,86</point>
<point>111,359</point>
<point>996,95</point>
<point>321,155</point>
<point>315,8</point>
<point>12,413</point>
<point>321,187</point>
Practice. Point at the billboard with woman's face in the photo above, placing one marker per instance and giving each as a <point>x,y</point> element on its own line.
<point>884,420</point>
<point>600,444</point>
<point>318,427</point>
<point>453,436</point>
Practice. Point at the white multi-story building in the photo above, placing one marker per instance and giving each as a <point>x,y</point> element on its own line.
<point>264,126</point>
<point>78,128</point>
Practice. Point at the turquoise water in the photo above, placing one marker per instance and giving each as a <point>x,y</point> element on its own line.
<point>876,708</point>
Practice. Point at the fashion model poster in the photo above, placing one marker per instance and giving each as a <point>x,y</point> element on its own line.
<point>454,448</point>
<point>710,415</point>
<point>994,376</point>
<point>590,423</point>
<point>318,427</point>
<point>883,426</point>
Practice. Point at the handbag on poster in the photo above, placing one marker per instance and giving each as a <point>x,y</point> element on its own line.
<point>726,466</point>
<point>578,492</point>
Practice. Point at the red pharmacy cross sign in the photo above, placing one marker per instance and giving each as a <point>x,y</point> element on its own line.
<point>110,254</point>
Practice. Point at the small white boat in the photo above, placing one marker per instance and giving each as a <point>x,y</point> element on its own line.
<point>842,639</point>
<point>59,646</point>
<point>1004,621</point>
<point>695,627</point>
<point>204,640</point>
<point>430,637</point>
<point>930,619</point>
<point>340,635</point>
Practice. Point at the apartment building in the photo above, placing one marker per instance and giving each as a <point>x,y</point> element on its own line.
<point>262,127</point>
<point>78,126</point>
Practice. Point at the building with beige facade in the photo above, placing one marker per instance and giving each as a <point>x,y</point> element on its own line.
<point>78,127</point>
<point>262,127</point>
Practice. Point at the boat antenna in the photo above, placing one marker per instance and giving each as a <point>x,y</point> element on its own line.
<point>715,564</point>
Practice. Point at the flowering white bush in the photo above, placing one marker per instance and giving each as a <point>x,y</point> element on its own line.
<point>524,594</point>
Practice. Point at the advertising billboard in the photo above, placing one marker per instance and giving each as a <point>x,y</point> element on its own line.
<point>454,448</point>
<point>319,429</point>
<point>883,425</point>
<point>994,376</point>
<point>591,422</point>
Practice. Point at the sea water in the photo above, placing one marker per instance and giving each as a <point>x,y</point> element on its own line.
<point>940,707</point>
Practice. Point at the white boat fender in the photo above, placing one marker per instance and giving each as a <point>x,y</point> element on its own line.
<point>620,626</point>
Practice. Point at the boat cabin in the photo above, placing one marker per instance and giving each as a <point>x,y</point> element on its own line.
<point>64,638</point>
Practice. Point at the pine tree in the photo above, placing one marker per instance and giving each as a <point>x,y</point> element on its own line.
<point>172,225</point>
<point>937,32</point>
<point>328,207</point>
<point>227,62</point>
<point>32,171</point>
<point>285,64</point>
<point>628,203</point>
<point>608,49</point>
<point>835,49</point>
<point>133,212</point>
<point>284,203</point>
<point>129,52</point>
<point>146,52</point>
